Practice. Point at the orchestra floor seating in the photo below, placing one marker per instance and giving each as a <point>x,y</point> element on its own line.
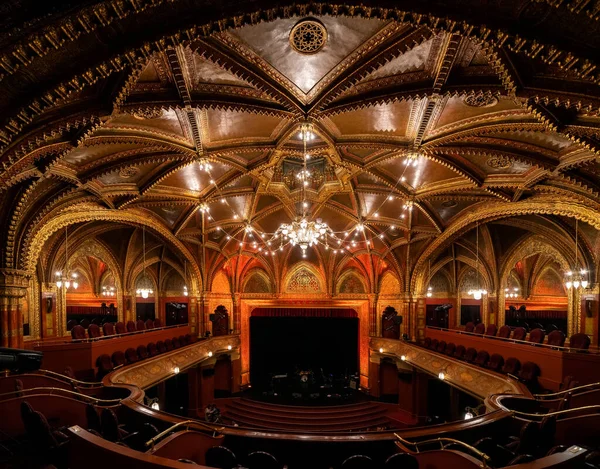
<point>311,419</point>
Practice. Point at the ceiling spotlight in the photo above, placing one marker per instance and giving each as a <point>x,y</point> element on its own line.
<point>241,245</point>
<point>391,197</point>
<point>223,201</point>
<point>212,181</point>
<point>235,215</point>
<point>305,204</point>
<point>403,179</point>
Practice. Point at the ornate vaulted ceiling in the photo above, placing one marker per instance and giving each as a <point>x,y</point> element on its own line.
<point>403,114</point>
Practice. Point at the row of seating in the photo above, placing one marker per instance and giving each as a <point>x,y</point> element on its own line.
<point>107,363</point>
<point>527,373</point>
<point>85,323</point>
<point>556,338</point>
<point>108,328</point>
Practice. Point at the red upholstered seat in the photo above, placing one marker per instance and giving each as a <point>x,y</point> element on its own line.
<point>189,339</point>
<point>536,336</point>
<point>131,355</point>
<point>157,323</point>
<point>427,342</point>
<point>182,340</point>
<point>450,349</point>
<point>482,358</point>
<point>152,350</point>
<point>71,324</point>
<point>434,344</point>
<point>511,366</point>
<point>441,346</point>
<point>504,332</point>
<point>529,373</point>
<point>579,341</point>
<point>459,352</point>
<point>84,323</point>
<point>108,328</point>
<point>118,358</point>
<point>104,365</point>
<point>120,328</point>
<point>160,346</point>
<point>140,325</point>
<point>469,327</point>
<point>556,338</point>
<point>111,430</point>
<point>94,331</point>
<point>168,345</point>
<point>97,321</point>
<point>479,328</point>
<point>519,333</point>
<point>470,355</point>
<point>176,343</point>
<point>142,352</point>
<point>149,324</point>
<point>131,326</point>
<point>491,330</point>
<point>78,332</point>
<point>496,362</point>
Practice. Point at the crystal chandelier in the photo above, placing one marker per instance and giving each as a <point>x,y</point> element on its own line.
<point>66,278</point>
<point>146,285</point>
<point>108,291</point>
<point>477,294</point>
<point>577,277</point>
<point>303,231</point>
<point>508,293</point>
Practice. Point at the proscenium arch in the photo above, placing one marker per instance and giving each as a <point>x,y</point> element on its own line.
<point>31,251</point>
<point>573,208</point>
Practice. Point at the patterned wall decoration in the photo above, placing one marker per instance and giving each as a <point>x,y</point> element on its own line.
<point>389,285</point>
<point>257,282</point>
<point>549,284</point>
<point>350,284</point>
<point>173,282</point>
<point>304,281</point>
<point>220,283</point>
<point>440,285</point>
<point>469,281</point>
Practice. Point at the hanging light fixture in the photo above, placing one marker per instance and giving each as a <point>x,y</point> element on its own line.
<point>145,289</point>
<point>577,277</point>
<point>511,293</point>
<point>108,291</point>
<point>303,231</point>
<point>477,294</point>
<point>185,288</point>
<point>429,288</point>
<point>66,279</point>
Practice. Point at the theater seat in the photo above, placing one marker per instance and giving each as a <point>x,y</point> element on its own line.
<point>104,365</point>
<point>358,461</point>
<point>94,331</point>
<point>434,344</point>
<point>157,323</point>
<point>149,324</point>
<point>450,349</point>
<point>556,338</point>
<point>140,325</point>
<point>189,339</point>
<point>482,358</point>
<point>496,362</point>
<point>92,417</point>
<point>460,352</point>
<point>142,352</point>
<point>118,358</point>
<point>120,328</point>
<point>579,341</point>
<point>152,350</point>
<point>491,330</point>
<point>519,333</point>
<point>182,340</point>
<point>168,345</point>
<point>71,324</point>
<point>479,328</point>
<point>176,343</point>
<point>536,336</point>
<point>262,460</point>
<point>131,326</point>
<point>504,332</point>
<point>78,332</point>
<point>108,328</point>
<point>427,342</point>
<point>529,373</point>
<point>470,355</point>
<point>441,346</point>
<point>85,323</point>
<point>131,355</point>
<point>109,424</point>
<point>160,346</point>
<point>469,327</point>
<point>221,457</point>
<point>512,366</point>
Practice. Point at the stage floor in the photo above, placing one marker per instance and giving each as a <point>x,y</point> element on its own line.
<point>325,397</point>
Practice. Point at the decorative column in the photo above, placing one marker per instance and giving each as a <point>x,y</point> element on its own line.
<point>237,313</point>
<point>372,314</point>
<point>13,287</point>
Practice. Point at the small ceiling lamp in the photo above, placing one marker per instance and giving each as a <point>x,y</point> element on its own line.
<point>204,208</point>
<point>479,292</point>
<point>204,164</point>
<point>408,205</point>
<point>66,279</point>
<point>577,277</point>
<point>145,289</point>
<point>429,293</point>
<point>412,158</point>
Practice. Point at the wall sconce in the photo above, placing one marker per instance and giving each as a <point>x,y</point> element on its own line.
<point>442,375</point>
<point>210,354</point>
<point>403,358</point>
<point>229,347</point>
<point>381,350</point>
<point>176,370</point>
<point>470,413</point>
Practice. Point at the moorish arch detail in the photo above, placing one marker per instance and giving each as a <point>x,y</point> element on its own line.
<point>220,283</point>
<point>304,279</point>
<point>257,281</point>
<point>351,283</point>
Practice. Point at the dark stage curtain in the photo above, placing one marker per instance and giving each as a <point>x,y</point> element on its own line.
<point>304,313</point>
<point>91,310</point>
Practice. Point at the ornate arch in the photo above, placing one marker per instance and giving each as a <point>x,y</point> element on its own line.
<point>261,275</point>
<point>220,283</point>
<point>348,276</point>
<point>304,278</point>
<point>390,284</point>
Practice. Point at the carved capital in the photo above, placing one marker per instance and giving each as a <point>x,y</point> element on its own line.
<point>13,283</point>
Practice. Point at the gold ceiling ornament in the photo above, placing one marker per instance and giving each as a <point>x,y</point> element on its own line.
<point>480,100</point>
<point>499,162</point>
<point>308,36</point>
<point>128,172</point>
